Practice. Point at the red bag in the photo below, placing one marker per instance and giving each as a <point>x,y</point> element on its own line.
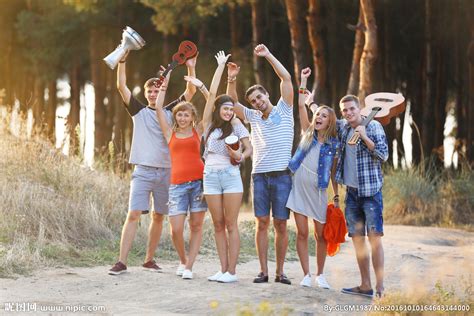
<point>334,230</point>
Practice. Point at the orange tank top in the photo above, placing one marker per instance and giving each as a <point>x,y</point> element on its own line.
<point>186,163</point>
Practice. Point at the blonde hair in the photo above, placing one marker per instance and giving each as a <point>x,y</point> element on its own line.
<point>184,106</point>
<point>330,131</point>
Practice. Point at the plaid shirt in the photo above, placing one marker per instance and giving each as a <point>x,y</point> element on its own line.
<point>369,163</point>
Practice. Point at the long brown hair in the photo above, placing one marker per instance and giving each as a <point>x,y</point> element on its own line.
<point>217,121</point>
<point>184,106</point>
<point>330,131</point>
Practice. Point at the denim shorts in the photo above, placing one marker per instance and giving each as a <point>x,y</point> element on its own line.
<point>271,192</point>
<point>146,182</point>
<point>186,197</point>
<point>364,214</point>
<point>220,181</point>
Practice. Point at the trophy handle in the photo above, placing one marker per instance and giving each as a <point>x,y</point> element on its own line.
<point>114,57</point>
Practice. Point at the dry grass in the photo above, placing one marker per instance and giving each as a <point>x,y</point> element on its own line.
<point>455,299</point>
<point>52,206</point>
<point>425,195</point>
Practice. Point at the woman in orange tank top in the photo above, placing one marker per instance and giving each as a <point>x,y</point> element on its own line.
<point>185,192</point>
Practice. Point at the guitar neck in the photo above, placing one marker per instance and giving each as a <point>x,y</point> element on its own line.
<point>371,116</point>
<point>170,67</point>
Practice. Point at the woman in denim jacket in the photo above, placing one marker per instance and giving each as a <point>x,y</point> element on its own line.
<point>313,164</point>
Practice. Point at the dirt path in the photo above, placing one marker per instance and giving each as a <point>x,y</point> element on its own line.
<point>416,257</point>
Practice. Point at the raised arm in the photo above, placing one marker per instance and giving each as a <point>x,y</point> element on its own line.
<point>286,87</point>
<point>232,72</point>
<point>190,88</point>
<point>302,95</point>
<point>198,84</point>
<point>122,81</point>
<point>160,113</point>
<point>221,58</point>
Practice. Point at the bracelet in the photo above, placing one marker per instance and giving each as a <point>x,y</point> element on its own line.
<point>336,197</point>
<point>312,103</point>
<point>301,90</point>
<point>231,79</point>
<point>122,61</point>
<point>202,87</point>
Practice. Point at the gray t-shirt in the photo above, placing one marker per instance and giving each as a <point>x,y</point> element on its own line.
<point>149,147</point>
<point>350,163</point>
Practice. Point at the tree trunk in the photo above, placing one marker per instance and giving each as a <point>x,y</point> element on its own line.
<point>50,119</point>
<point>470,110</point>
<point>38,106</point>
<point>98,83</point>
<point>234,31</point>
<point>369,55</point>
<point>10,95</point>
<point>459,57</point>
<point>428,101</point>
<point>257,38</point>
<point>74,112</point>
<point>316,40</point>
<point>166,49</point>
<point>296,12</point>
<point>353,86</point>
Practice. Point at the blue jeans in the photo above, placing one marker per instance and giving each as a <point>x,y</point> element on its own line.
<point>364,214</point>
<point>186,197</point>
<point>271,192</point>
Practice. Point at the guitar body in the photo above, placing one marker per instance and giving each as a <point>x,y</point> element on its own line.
<point>186,50</point>
<point>381,106</point>
<point>391,105</point>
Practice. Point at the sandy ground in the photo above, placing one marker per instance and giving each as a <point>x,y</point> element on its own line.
<point>415,258</point>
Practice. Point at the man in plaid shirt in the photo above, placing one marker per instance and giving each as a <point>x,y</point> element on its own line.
<point>359,169</point>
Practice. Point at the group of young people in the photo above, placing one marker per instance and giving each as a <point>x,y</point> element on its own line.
<point>168,166</point>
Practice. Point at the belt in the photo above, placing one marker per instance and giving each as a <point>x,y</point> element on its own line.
<point>275,173</point>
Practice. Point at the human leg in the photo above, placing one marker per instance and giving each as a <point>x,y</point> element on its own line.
<point>232,202</point>
<point>302,241</point>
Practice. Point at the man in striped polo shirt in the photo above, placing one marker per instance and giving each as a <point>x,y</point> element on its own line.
<point>272,140</point>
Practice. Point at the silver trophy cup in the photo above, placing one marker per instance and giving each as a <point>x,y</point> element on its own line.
<point>131,40</point>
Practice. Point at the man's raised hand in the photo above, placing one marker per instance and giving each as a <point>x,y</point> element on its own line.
<point>261,50</point>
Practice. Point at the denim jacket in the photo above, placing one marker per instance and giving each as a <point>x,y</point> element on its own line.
<point>326,157</point>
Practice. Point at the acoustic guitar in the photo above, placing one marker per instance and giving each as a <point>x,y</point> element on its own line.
<point>382,106</point>
<point>186,50</point>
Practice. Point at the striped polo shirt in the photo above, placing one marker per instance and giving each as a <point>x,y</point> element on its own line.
<point>272,138</point>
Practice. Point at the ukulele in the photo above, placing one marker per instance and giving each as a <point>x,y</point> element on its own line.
<point>382,106</point>
<point>186,50</point>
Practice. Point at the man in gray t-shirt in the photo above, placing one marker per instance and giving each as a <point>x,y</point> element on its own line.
<point>149,153</point>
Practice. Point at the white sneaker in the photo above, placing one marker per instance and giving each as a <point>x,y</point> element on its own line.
<point>215,277</point>
<point>180,269</point>
<point>187,274</point>
<point>321,280</point>
<point>306,281</point>
<point>227,278</point>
